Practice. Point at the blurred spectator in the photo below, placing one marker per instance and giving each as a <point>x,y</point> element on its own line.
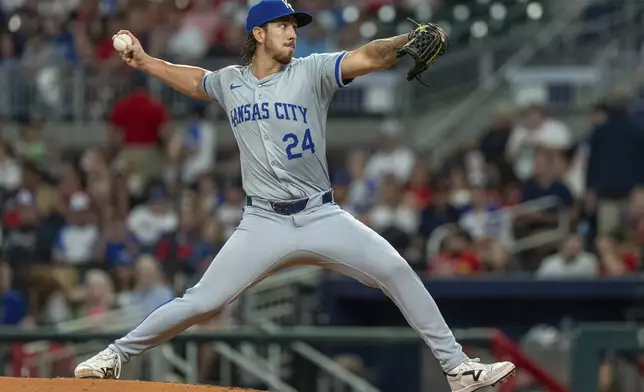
<point>176,250</point>
<point>205,249</point>
<point>40,54</point>
<point>392,157</point>
<point>418,193</point>
<point>485,219</point>
<point>209,197</point>
<point>619,254</point>
<point>115,244</point>
<point>148,222</point>
<point>77,241</point>
<point>535,129</point>
<point>150,290</point>
<point>494,142</point>
<point>96,298</point>
<point>193,150</point>
<point>544,183</point>
<point>616,146</point>
<point>42,62</point>
<point>576,173</point>
<point>574,170</point>
<point>100,184</point>
<point>395,220</point>
<point>13,306</point>
<point>34,180</point>
<point>10,171</point>
<point>439,212</point>
<point>56,293</point>
<point>363,191</point>
<point>571,261</point>
<point>8,58</point>
<point>476,169</point>
<point>456,257</point>
<point>209,244</point>
<point>137,121</point>
<point>229,213</point>
<point>54,158</point>
<point>340,184</point>
<point>60,35</point>
<point>104,53</point>
<point>26,242</point>
<point>460,193</point>
<point>69,182</point>
<point>495,258</point>
<point>31,146</point>
<point>196,32</point>
<point>634,214</point>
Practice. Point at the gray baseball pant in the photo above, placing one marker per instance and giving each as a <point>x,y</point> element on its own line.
<point>265,242</point>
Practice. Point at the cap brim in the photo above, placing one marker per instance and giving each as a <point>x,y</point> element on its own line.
<point>302,18</point>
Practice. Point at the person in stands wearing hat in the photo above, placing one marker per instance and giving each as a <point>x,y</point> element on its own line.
<point>148,222</point>
<point>77,239</point>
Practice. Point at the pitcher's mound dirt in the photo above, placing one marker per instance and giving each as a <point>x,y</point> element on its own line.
<point>14,384</point>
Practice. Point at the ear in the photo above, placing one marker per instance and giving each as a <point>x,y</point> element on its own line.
<point>259,34</point>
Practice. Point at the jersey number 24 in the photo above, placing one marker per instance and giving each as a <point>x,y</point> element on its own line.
<point>307,144</point>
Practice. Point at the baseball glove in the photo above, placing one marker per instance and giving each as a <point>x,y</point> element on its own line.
<point>425,44</point>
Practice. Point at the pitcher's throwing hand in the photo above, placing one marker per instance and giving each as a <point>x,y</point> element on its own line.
<point>134,55</point>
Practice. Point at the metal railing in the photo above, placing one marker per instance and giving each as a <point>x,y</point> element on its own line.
<point>541,238</point>
<point>330,367</point>
<point>275,298</point>
<point>124,319</point>
<point>223,341</point>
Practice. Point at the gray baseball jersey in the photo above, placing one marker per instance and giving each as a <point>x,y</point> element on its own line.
<point>279,123</point>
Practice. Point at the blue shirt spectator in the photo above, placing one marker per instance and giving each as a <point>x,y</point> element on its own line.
<point>438,213</point>
<point>13,307</point>
<point>534,189</point>
<point>616,155</point>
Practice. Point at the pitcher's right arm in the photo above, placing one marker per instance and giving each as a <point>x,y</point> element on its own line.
<point>186,79</point>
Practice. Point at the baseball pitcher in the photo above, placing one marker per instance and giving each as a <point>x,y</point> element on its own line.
<point>277,108</point>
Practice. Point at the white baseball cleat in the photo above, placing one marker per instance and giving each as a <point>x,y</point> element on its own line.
<point>106,364</point>
<point>472,375</point>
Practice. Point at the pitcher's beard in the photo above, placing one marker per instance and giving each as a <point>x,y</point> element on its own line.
<point>282,55</point>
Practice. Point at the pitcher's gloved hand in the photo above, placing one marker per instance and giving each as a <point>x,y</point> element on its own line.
<point>426,43</point>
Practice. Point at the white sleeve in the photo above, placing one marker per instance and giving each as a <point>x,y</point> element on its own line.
<point>212,84</point>
<point>548,268</point>
<point>514,143</point>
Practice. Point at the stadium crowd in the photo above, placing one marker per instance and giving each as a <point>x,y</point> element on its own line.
<point>156,198</point>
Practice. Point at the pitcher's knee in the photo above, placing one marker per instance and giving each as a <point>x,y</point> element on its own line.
<point>203,303</point>
<point>394,269</point>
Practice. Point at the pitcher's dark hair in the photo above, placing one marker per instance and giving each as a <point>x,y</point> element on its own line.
<point>249,46</point>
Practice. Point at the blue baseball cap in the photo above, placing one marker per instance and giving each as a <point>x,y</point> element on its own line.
<point>268,10</point>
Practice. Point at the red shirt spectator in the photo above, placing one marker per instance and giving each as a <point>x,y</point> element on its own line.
<point>139,118</point>
<point>462,263</point>
<point>619,256</point>
<point>456,258</point>
<point>105,50</point>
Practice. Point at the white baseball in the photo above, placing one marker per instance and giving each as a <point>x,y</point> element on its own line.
<point>121,42</point>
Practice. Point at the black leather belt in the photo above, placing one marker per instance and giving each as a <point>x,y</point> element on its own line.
<point>292,207</point>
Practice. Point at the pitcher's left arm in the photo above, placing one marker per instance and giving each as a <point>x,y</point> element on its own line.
<point>377,55</point>
<point>424,44</point>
